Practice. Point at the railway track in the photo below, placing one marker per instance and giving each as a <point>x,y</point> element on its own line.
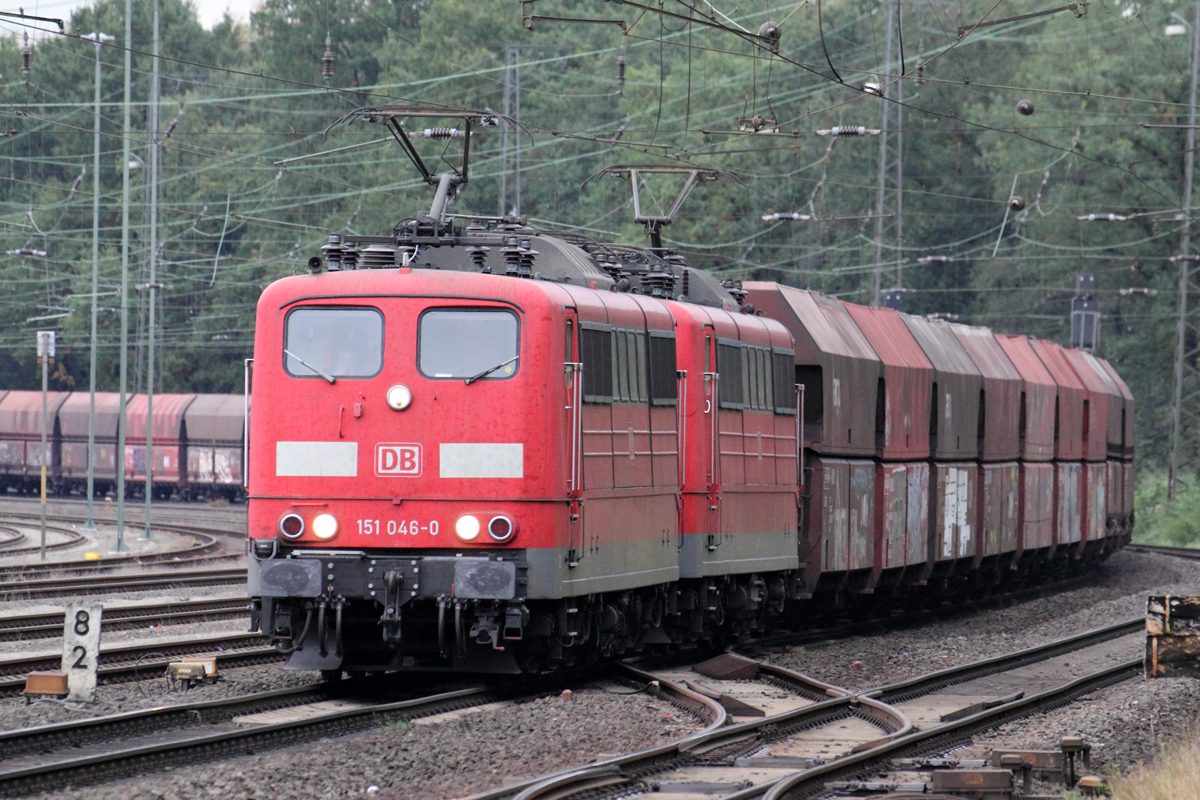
<point>106,748</point>
<point>792,743</point>
<point>12,540</point>
<point>28,627</point>
<point>1162,550</point>
<point>148,659</point>
<point>204,546</point>
<point>94,585</point>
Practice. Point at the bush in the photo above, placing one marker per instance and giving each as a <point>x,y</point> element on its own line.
<point>1174,522</point>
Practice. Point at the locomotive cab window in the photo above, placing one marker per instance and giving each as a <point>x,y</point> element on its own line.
<point>466,343</point>
<point>333,342</point>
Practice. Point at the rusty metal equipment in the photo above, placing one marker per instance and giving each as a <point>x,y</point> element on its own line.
<point>50,683</point>
<point>985,783</point>
<point>1172,636</point>
<point>188,672</point>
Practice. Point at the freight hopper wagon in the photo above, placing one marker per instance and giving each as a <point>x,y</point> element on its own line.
<point>941,458</point>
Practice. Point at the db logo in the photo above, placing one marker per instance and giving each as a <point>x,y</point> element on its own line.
<point>398,460</point>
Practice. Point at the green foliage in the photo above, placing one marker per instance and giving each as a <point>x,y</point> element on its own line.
<point>1174,522</point>
<point>251,96</point>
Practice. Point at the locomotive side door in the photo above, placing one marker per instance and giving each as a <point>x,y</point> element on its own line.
<point>712,419</point>
<point>573,375</point>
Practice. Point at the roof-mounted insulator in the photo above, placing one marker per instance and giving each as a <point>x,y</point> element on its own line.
<point>26,55</point>
<point>333,252</point>
<point>327,61</point>
<point>621,73</point>
<point>442,133</point>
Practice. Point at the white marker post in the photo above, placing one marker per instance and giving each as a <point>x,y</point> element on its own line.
<point>81,650</point>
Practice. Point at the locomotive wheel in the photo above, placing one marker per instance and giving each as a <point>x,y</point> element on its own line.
<point>331,675</point>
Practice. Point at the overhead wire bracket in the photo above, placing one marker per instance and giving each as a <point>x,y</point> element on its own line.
<point>1079,9</point>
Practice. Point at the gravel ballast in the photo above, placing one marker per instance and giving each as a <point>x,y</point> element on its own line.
<point>1116,592</point>
<point>1125,724</point>
<point>460,755</point>
<point>482,750</point>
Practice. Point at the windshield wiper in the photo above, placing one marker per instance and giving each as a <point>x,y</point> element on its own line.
<point>329,378</point>
<point>489,371</point>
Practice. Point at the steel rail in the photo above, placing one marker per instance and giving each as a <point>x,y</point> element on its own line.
<point>186,735</point>
<point>11,547</point>
<point>109,584</point>
<point>131,662</point>
<point>204,546</point>
<point>40,626</point>
<point>1191,553</point>
<point>921,685</point>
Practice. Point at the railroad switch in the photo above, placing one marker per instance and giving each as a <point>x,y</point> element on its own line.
<point>876,786</point>
<point>1015,764</point>
<point>1073,746</point>
<point>1038,761</point>
<point>186,673</point>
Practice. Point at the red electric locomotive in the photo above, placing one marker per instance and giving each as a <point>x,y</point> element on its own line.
<point>477,446</point>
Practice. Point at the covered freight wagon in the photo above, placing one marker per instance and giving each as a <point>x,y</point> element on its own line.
<point>953,441</point>
<point>21,455</point>
<point>73,422</point>
<point>215,424</point>
<point>169,459</point>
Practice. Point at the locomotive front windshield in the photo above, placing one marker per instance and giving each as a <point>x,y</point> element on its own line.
<point>335,342</point>
<point>466,344</point>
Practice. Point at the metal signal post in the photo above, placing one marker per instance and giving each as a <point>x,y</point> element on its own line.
<point>45,354</point>
<point>890,192</point>
<point>1186,400</point>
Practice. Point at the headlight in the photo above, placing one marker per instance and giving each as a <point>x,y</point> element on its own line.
<point>399,397</point>
<point>291,526</point>
<point>325,526</point>
<point>467,527</point>
<point>502,528</point>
